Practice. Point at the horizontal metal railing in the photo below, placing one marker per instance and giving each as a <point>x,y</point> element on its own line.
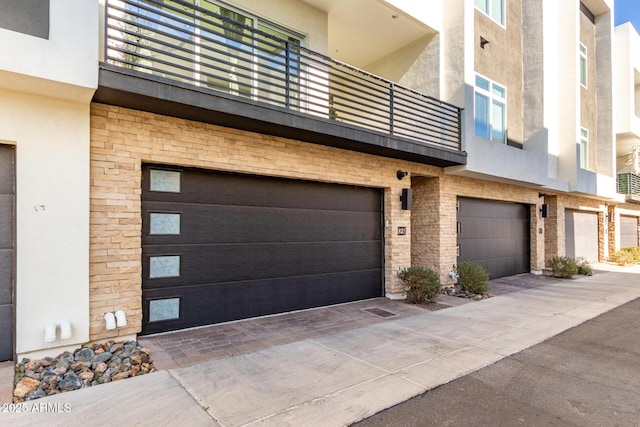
<point>629,183</point>
<point>182,42</point>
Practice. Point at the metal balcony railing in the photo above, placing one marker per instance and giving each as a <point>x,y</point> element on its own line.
<point>629,183</point>
<point>207,49</point>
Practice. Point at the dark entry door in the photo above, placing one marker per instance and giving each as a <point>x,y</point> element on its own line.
<point>628,231</point>
<point>7,251</point>
<point>221,246</point>
<point>495,235</point>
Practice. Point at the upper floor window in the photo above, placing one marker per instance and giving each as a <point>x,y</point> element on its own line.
<point>493,8</point>
<point>490,109</point>
<point>583,65</point>
<point>584,148</point>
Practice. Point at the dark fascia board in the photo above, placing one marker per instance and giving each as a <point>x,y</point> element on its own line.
<point>139,91</point>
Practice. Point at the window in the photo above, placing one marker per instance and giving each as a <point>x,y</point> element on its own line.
<point>584,148</point>
<point>493,9</point>
<point>583,65</point>
<point>490,109</point>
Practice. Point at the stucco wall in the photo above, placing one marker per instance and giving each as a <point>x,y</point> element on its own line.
<point>52,230</point>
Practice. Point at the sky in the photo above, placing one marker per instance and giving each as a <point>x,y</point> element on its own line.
<point>627,10</point>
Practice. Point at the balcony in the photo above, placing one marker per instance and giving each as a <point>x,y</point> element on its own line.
<point>629,185</point>
<point>204,59</point>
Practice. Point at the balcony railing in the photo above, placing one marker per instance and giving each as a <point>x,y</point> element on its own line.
<point>207,49</point>
<point>629,183</point>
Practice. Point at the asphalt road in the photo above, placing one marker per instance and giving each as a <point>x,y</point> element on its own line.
<point>586,376</point>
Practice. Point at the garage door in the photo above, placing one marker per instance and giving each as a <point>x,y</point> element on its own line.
<point>494,235</point>
<point>628,231</point>
<point>581,235</point>
<point>7,252</point>
<point>220,247</point>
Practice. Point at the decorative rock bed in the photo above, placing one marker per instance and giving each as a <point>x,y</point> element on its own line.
<point>456,291</point>
<point>85,367</point>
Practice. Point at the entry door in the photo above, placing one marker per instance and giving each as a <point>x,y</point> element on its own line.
<point>7,249</point>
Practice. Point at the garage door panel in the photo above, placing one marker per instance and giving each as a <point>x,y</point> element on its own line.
<point>203,187</point>
<point>220,302</point>
<point>223,263</point>
<point>495,235</point>
<point>249,246</point>
<point>233,224</point>
<point>628,231</point>
<point>581,235</point>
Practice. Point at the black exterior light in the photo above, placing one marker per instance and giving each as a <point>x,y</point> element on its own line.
<point>401,174</point>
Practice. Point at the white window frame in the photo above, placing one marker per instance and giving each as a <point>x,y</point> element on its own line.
<point>492,98</point>
<point>583,148</point>
<point>583,64</point>
<point>487,9</point>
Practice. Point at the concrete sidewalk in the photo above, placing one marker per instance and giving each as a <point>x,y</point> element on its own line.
<point>341,378</point>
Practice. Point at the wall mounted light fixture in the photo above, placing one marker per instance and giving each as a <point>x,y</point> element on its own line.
<point>401,174</point>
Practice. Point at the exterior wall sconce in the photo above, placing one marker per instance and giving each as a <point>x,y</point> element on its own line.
<point>401,174</point>
<point>483,42</point>
<point>544,210</point>
<point>406,199</point>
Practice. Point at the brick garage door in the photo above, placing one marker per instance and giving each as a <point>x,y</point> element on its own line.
<point>494,235</point>
<point>581,235</point>
<point>628,231</point>
<point>220,246</point>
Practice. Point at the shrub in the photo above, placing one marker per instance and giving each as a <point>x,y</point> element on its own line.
<point>564,267</point>
<point>472,278</point>
<point>421,283</point>
<point>624,256</point>
<point>584,267</point>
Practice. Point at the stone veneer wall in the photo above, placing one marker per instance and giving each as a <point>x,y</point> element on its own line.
<point>122,139</point>
<point>555,241</point>
<point>434,218</point>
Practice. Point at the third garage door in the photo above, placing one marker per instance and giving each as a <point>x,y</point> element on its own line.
<point>581,235</point>
<point>628,231</point>
<point>220,247</point>
<point>494,235</point>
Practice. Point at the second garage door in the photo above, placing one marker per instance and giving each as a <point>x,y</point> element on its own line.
<point>494,235</point>
<point>581,235</point>
<point>220,247</point>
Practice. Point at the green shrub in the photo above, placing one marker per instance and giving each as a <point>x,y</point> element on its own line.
<point>472,278</point>
<point>624,256</point>
<point>584,267</point>
<point>421,283</point>
<point>564,267</point>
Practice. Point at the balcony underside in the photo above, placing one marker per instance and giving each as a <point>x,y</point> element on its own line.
<point>141,91</point>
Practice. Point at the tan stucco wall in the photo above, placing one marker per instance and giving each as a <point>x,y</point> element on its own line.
<point>501,61</point>
<point>588,94</point>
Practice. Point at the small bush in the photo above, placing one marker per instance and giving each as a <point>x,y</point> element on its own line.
<point>421,283</point>
<point>563,267</point>
<point>624,256</point>
<point>472,278</point>
<point>584,267</point>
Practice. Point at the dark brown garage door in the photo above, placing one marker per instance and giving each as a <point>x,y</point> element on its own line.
<point>628,231</point>
<point>494,235</point>
<point>581,235</point>
<point>7,252</point>
<point>220,247</point>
